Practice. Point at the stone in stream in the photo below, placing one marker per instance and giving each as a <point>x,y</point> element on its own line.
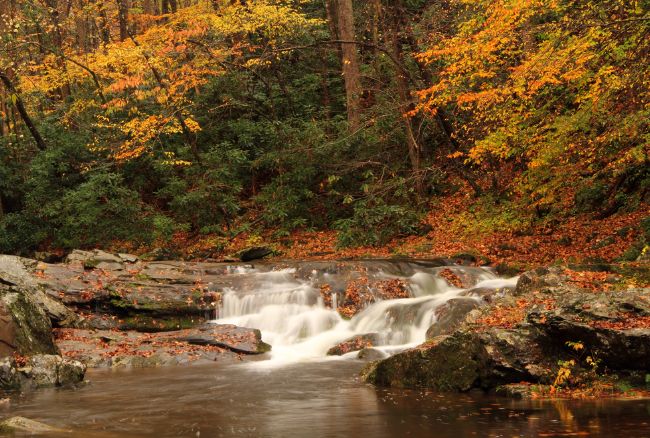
<point>462,361</point>
<point>355,343</point>
<point>371,354</point>
<point>25,425</point>
<point>237,339</point>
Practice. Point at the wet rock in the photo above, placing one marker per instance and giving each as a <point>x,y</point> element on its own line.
<point>353,344</point>
<point>486,294</point>
<point>450,315</point>
<point>464,360</point>
<point>254,253</point>
<point>519,391</point>
<point>506,270</point>
<point>25,425</point>
<point>236,339</point>
<point>9,376</point>
<point>447,363</point>
<point>371,354</point>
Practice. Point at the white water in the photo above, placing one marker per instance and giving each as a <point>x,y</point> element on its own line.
<point>292,317</point>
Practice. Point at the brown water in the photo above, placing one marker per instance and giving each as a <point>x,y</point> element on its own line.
<point>322,399</point>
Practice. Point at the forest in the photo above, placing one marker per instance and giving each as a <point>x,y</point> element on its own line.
<point>142,124</point>
<point>327,218</point>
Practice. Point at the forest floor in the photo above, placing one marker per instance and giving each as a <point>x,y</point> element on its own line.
<point>453,229</point>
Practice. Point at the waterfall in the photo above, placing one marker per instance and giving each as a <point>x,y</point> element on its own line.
<point>290,312</point>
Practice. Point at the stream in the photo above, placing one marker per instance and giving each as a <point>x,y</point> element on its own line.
<point>297,390</point>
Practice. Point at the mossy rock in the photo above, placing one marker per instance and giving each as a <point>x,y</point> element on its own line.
<point>446,363</point>
<point>27,324</point>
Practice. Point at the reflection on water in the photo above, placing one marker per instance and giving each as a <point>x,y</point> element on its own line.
<point>314,399</point>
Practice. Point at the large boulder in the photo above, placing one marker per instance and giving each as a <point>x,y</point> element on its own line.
<point>613,326</point>
<point>447,363</point>
<point>18,273</point>
<point>464,360</point>
<point>52,370</point>
<point>25,328</point>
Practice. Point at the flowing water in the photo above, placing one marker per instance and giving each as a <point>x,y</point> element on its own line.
<point>293,317</point>
<point>296,390</point>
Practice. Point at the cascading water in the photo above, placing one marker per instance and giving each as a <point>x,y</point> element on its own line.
<point>293,318</point>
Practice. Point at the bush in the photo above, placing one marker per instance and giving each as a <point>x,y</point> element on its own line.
<point>374,223</point>
<point>98,211</point>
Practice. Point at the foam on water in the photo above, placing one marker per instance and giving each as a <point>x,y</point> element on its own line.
<point>292,317</point>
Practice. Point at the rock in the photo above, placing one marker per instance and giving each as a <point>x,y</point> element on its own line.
<point>371,354</point>
<point>25,328</point>
<point>22,424</point>
<point>462,361</point>
<point>353,344</point>
<point>464,258</point>
<point>18,272</point>
<point>129,349</point>
<point>254,253</point>
<point>450,315</point>
<point>237,339</point>
<point>603,323</point>
<point>486,294</point>
<point>128,258</point>
<point>519,391</point>
<point>78,256</point>
<point>505,270</point>
<point>446,363</point>
<point>52,370</point>
<point>9,376</point>
<point>47,257</point>
<point>539,279</point>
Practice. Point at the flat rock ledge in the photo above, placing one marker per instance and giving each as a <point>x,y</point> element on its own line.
<point>119,349</point>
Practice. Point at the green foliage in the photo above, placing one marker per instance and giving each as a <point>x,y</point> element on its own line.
<point>374,223</point>
<point>99,210</point>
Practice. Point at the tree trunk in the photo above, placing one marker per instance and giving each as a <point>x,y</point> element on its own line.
<point>18,103</point>
<point>406,105</point>
<point>350,61</point>
<point>123,18</point>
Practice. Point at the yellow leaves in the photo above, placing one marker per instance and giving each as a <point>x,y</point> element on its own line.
<point>171,160</point>
<point>192,125</point>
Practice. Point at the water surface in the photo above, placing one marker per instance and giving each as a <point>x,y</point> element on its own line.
<point>323,399</point>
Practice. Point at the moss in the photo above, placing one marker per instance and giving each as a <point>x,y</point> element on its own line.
<point>449,363</point>
<point>146,323</point>
<point>34,330</point>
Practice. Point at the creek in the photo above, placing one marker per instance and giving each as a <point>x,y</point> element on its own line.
<point>298,390</point>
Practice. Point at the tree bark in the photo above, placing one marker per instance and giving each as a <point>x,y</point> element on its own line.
<point>123,18</point>
<point>350,62</point>
<point>20,106</point>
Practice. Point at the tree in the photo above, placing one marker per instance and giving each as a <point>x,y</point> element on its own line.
<point>349,61</point>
